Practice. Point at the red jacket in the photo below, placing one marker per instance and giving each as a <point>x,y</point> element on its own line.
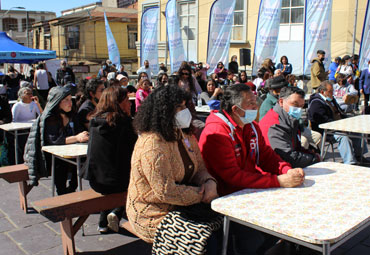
<point>232,158</point>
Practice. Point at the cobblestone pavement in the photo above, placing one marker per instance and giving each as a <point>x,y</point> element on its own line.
<point>31,233</point>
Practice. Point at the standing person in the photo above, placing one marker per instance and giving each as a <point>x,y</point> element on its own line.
<point>285,67</point>
<point>318,73</point>
<point>146,69</point>
<point>55,126</point>
<point>233,65</point>
<point>143,90</point>
<point>103,71</point>
<point>333,68</point>
<point>168,175</point>
<point>65,73</point>
<point>92,93</point>
<point>111,143</point>
<point>41,81</point>
<point>221,71</point>
<point>12,80</point>
<point>365,84</point>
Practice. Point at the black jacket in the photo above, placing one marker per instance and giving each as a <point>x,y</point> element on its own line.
<point>319,111</point>
<point>109,154</point>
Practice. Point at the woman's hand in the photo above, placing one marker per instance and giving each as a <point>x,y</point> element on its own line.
<point>210,191</point>
<point>82,137</point>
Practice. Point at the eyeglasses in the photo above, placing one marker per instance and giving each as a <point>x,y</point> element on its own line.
<point>185,73</point>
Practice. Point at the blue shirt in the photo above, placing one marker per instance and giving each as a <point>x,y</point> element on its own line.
<point>333,68</point>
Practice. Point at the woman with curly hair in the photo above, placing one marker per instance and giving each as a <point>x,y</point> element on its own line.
<point>167,169</point>
<point>111,142</point>
<point>188,82</point>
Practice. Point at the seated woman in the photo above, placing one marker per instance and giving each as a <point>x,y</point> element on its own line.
<point>28,107</point>
<point>212,92</point>
<point>167,169</point>
<point>92,92</point>
<point>143,90</point>
<point>112,140</point>
<point>343,91</point>
<point>284,65</point>
<point>55,126</point>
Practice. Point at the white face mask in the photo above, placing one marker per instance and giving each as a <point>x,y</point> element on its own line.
<point>183,118</point>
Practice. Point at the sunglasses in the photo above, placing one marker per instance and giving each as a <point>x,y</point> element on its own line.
<point>185,73</point>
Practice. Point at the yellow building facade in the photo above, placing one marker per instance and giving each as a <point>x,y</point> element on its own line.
<point>81,36</point>
<point>194,22</point>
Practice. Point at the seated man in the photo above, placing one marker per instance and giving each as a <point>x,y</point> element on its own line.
<point>236,154</point>
<point>281,129</point>
<point>342,93</point>
<point>324,108</point>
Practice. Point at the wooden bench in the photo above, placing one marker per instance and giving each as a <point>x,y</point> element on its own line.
<point>18,173</point>
<point>78,204</point>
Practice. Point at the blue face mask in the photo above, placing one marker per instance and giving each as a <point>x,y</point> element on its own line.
<point>329,99</point>
<point>295,112</point>
<point>249,115</point>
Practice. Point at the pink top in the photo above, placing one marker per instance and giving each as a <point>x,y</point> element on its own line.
<point>140,96</point>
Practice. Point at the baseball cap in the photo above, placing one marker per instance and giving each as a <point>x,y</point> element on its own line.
<point>121,76</point>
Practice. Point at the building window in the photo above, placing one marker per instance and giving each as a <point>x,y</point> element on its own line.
<point>187,12</point>
<point>292,19</point>
<point>125,3</point>
<point>292,12</point>
<point>10,24</point>
<point>73,37</point>
<point>239,25</point>
<point>24,24</point>
<point>132,36</point>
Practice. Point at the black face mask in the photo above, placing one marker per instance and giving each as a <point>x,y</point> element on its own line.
<point>322,59</point>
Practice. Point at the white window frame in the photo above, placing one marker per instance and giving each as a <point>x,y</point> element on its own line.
<point>196,20</point>
<point>290,25</point>
<point>244,39</point>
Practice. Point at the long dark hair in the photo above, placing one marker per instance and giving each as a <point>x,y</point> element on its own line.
<point>187,67</point>
<point>108,106</point>
<point>157,112</point>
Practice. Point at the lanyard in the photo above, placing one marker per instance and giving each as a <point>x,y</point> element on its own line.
<point>257,146</point>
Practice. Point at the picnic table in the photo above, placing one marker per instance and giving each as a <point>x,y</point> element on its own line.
<point>331,206</point>
<point>358,126</point>
<point>16,129</point>
<point>72,153</point>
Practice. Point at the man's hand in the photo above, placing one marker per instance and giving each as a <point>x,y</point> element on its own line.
<point>293,178</point>
<point>210,191</point>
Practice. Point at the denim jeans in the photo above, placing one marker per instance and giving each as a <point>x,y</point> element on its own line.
<point>349,148</point>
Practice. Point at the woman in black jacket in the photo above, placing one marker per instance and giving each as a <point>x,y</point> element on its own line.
<point>111,143</point>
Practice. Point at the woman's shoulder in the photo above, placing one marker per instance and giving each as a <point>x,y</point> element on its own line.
<point>151,141</point>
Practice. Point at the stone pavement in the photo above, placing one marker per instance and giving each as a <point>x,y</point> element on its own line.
<point>31,233</point>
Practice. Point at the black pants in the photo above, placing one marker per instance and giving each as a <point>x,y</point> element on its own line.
<point>103,222</point>
<point>62,171</point>
<point>44,94</point>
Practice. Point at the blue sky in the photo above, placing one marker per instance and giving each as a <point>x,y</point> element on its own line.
<point>45,5</point>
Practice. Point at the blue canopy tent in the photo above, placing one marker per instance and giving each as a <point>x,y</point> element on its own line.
<point>12,52</point>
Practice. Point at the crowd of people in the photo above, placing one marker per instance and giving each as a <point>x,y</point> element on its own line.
<point>170,161</point>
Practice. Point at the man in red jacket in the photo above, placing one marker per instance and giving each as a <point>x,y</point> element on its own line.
<point>236,154</point>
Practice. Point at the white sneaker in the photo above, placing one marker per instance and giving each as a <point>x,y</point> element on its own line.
<point>113,222</point>
<point>103,230</point>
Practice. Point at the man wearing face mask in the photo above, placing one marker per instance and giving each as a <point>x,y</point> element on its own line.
<point>236,154</point>
<point>318,73</point>
<point>323,108</point>
<point>281,130</point>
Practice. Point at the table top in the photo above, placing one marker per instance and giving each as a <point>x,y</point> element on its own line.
<point>203,108</point>
<point>358,124</point>
<point>333,201</point>
<point>67,151</point>
<point>16,126</point>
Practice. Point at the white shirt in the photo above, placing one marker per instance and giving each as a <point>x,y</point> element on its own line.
<point>23,112</point>
<point>42,79</point>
